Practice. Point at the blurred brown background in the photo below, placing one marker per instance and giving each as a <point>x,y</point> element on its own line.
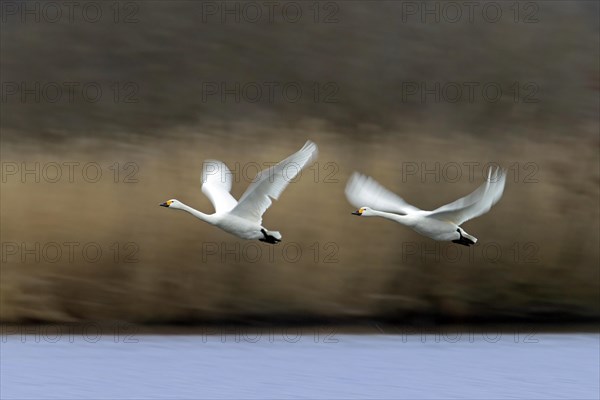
<point>537,255</point>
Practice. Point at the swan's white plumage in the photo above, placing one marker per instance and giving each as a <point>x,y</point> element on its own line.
<point>475,204</point>
<point>362,190</point>
<point>216,185</point>
<point>244,218</point>
<point>442,223</point>
<point>271,182</point>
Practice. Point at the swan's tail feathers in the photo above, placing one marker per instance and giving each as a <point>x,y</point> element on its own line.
<point>465,239</point>
<point>272,237</point>
<point>275,234</point>
<point>470,237</point>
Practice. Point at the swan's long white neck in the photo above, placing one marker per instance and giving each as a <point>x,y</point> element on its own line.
<point>391,216</point>
<point>204,217</point>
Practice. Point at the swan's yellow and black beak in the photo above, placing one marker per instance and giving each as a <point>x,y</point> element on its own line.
<point>358,212</point>
<point>166,203</point>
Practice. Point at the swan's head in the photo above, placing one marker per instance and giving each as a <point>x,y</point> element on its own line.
<point>173,203</point>
<point>363,212</point>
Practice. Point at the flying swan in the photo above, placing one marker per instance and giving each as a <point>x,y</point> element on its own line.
<point>373,200</point>
<point>243,218</point>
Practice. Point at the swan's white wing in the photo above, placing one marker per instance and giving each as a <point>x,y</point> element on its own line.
<point>216,184</point>
<point>475,204</point>
<point>364,191</point>
<point>473,197</point>
<point>271,182</point>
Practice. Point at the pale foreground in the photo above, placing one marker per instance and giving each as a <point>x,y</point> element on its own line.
<point>306,366</point>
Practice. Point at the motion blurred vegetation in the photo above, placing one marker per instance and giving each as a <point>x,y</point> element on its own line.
<point>369,56</point>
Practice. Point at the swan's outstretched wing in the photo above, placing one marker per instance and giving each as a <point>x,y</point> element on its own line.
<point>364,191</point>
<point>475,204</point>
<point>270,182</point>
<point>472,198</point>
<point>216,184</point>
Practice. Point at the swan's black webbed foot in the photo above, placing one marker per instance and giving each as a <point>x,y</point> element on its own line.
<point>268,238</point>
<point>463,240</point>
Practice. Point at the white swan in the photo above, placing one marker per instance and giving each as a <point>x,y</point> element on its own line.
<point>244,218</point>
<point>440,224</point>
